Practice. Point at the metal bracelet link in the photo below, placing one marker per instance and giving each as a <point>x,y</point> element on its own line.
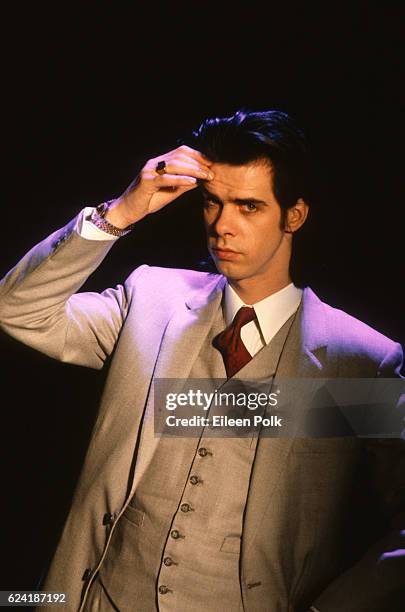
<point>98,219</point>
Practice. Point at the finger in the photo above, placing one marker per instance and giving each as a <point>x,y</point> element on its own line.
<point>180,164</point>
<point>187,168</point>
<point>189,160</point>
<point>197,155</point>
<point>174,180</point>
<point>180,190</point>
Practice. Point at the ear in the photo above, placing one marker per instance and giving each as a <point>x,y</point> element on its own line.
<point>296,216</point>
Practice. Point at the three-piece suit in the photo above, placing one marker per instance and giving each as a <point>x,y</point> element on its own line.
<point>267,521</point>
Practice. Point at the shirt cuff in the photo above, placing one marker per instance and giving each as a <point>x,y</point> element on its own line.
<point>86,229</point>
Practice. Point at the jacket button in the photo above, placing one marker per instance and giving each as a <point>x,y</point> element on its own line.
<point>175,534</point>
<point>185,507</point>
<point>108,518</point>
<point>86,574</point>
<point>202,452</point>
<point>194,479</point>
<point>168,561</point>
<point>163,589</point>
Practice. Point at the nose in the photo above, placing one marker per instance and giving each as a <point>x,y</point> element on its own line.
<point>224,221</point>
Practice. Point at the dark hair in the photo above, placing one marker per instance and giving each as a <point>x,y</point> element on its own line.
<point>271,136</point>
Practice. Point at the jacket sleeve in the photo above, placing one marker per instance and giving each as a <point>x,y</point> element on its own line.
<point>377,581</point>
<point>39,305</point>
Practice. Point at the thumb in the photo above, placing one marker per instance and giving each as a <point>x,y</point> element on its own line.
<point>185,188</point>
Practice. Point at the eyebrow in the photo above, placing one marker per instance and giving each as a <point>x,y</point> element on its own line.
<point>208,194</point>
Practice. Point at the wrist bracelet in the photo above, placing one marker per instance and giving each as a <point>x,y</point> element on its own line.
<point>98,219</point>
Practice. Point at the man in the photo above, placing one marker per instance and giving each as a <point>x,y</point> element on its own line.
<point>208,523</point>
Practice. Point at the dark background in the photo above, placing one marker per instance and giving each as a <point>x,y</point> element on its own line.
<point>90,92</point>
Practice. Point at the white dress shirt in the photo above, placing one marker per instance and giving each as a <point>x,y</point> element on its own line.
<point>271,312</point>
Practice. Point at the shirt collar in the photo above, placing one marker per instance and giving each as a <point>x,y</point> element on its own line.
<point>272,312</point>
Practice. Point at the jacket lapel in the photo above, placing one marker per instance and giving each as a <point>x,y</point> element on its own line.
<point>187,330</point>
<point>303,355</point>
<point>313,342</point>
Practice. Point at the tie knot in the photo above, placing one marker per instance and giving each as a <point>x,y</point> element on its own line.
<point>230,344</point>
<point>243,316</point>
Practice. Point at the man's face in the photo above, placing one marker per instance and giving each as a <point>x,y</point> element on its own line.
<point>242,220</point>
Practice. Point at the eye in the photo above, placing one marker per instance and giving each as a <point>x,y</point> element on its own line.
<point>209,203</point>
<point>250,206</point>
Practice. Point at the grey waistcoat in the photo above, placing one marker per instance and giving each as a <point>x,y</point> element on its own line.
<point>176,547</point>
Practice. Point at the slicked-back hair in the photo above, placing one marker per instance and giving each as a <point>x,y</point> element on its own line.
<point>270,136</point>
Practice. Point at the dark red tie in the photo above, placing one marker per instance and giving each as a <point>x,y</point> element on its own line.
<point>230,344</point>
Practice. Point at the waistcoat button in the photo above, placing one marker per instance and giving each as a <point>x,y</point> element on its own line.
<point>194,479</point>
<point>108,518</point>
<point>202,452</point>
<point>175,534</point>
<point>168,561</point>
<point>163,589</point>
<point>185,507</point>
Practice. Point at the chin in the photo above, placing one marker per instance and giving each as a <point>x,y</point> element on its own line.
<point>230,271</point>
<point>223,267</point>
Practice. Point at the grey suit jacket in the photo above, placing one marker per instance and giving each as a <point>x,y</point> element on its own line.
<point>298,510</point>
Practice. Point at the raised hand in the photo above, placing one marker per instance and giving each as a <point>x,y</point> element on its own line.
<point>153,188</point>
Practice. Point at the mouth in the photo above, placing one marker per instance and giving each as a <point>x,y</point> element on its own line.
<point>224,253</point>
